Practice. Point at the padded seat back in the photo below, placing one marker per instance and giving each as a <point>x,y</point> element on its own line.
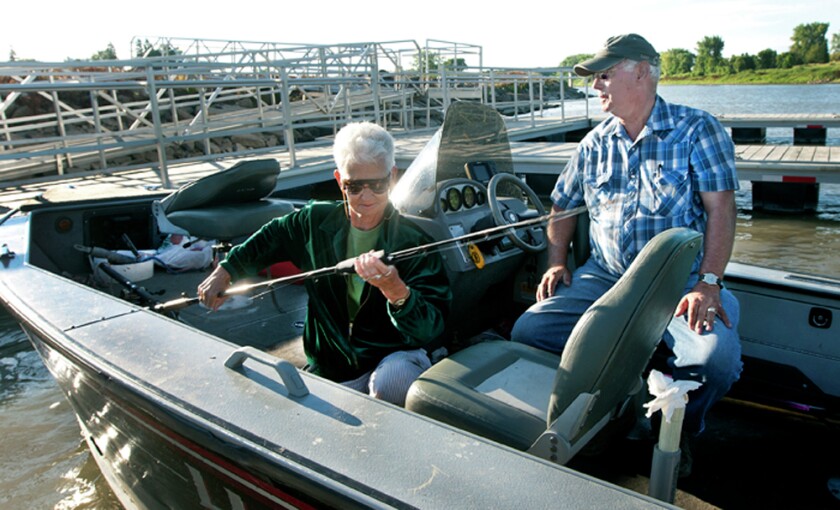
<point>224,205</point>
<point>614,340</point>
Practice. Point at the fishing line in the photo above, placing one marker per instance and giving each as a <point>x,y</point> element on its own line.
<point>347,266</point>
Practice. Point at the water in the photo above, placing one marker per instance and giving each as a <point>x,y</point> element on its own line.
<point>44,462</point>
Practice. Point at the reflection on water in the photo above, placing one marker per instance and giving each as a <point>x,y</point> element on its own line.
<point>44,462</point>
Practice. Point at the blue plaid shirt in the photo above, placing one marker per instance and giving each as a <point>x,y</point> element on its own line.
<point>636,190</point>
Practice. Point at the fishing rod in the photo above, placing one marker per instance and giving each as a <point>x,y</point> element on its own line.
<point>347,266</point>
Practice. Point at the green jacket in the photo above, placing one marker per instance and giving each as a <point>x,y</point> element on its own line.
<point>315,237</point>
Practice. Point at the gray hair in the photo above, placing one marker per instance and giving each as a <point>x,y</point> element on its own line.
<point>363,142</point>
<point>655,70</point>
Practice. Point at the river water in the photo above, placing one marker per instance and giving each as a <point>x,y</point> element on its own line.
<point>44,462</point>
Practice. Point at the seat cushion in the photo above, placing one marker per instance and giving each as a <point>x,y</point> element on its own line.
<point>226,222</point>
<point>496,389</point>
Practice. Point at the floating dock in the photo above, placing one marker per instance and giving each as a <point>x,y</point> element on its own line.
<point>539,161</point>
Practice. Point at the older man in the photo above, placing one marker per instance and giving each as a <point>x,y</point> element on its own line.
<point>648,167</point>
<point>367,329</point>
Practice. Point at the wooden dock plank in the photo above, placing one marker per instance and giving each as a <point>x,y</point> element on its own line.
<point>746,151</point>
<point>821,154</point>
<point>763,152</point>
<point>807,154</point>
<point>791,153</point>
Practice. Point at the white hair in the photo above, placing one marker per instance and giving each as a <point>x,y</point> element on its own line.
<point>655,70</point>
<point>363,142</point>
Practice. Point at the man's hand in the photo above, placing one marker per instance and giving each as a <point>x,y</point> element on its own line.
<point>701,305</point>
<point>211,289</point>
<point>552,277</point>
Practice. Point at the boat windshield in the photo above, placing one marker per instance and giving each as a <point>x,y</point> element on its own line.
<point>472,144</point>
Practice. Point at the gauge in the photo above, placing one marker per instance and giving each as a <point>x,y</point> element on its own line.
<point>480,198</point>
<point>444,205</point>
<point>469,196</point>
<point>453,196</point>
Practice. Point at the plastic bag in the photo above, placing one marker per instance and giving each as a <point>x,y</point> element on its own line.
<point>184,253</point>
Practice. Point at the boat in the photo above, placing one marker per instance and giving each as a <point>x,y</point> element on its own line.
<point>185,408</point>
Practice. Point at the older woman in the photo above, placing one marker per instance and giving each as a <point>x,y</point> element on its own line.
<point>367,329</point>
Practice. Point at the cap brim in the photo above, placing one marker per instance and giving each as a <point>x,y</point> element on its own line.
<point>596,64</point>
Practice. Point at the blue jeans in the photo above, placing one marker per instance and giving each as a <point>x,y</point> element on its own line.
<point>391,379</point>
<point>713,357</point>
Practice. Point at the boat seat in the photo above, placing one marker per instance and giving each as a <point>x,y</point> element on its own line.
<point>225,205</point>
<point>553,405</point>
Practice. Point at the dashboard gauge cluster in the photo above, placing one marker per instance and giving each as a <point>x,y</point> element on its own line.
<point>461,197</point>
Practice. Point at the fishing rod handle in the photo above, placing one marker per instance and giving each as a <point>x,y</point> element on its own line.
<point>348,266</point>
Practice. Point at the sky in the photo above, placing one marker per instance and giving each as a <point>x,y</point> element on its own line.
<point>535,33</point>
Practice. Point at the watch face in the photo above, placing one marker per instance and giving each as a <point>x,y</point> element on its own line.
<point>710,278</point>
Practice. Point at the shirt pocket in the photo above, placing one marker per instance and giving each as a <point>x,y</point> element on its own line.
<point>604,190</point>
<point>668,187</point>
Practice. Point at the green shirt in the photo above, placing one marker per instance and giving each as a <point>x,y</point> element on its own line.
<point>358,242</point>
<point>315,237</point>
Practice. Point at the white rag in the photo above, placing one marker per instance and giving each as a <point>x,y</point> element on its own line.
<point>668,394</point>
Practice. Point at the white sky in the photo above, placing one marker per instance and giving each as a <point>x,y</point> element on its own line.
<point>535,33</point>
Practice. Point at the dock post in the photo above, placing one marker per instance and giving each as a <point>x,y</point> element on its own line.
<point>799,196</point>
<point>749,135</point>
<point>809,135</point>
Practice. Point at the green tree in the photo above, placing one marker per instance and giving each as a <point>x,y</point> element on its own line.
<point>428,61</point>
<point>710,56</point>
<point>571,60</point>
<point>109,53</point>
<point>742,62</point>
<point>145,49</point>
<point>766,59</point>
<point>835,46</point>
<point>677,61</point>
<point>787,60</point>
<point>455,64</point>
<point>810,44</point>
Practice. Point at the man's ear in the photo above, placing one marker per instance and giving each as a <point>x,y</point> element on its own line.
<point>643,70</point>
<point>337,176</point>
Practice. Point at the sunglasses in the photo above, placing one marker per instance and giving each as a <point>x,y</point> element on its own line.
<point>378,186</point>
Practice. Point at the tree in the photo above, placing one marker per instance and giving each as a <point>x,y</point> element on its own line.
<point>455,64</point>
<point>426,60</point>
<point>12,55</point>
<point>810,44</point>
<point>742,62</point>
<point>145,49</point>
<point>835,46</point>
<point>109,53</point>
<point>766,59</point>
<point>677,61</point>
<point>787,60</point>
<point>709,57</point>
<point>571,60</point>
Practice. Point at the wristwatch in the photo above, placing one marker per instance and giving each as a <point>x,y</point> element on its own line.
<point>401,302</point>
<point>711,279</point>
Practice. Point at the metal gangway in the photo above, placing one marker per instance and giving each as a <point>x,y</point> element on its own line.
<point>189,100</point>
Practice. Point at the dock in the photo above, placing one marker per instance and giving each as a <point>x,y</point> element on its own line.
<point>538,161</point>
<point>159,123</point>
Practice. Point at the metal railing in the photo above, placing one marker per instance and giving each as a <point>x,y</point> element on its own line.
<point>217,99</point>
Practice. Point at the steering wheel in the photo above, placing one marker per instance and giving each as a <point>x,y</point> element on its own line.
<point>510,216</point>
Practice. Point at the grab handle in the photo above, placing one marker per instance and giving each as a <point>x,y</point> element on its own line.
<point>288,373</point>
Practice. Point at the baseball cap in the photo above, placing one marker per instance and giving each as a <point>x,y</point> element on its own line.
<point>616,49</point>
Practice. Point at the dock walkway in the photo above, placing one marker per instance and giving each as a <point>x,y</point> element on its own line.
<point>754,162</point>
